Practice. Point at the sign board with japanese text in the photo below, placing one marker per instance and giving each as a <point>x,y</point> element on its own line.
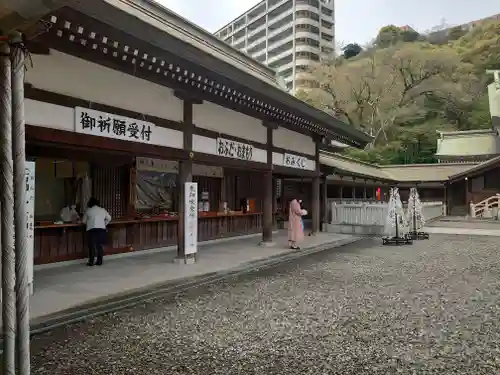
<point>169,166</point>
<point>190,218</point>
<point>235,150</point>
<point>102,124</point>
<point>30,218</point>
<point>295,161</point>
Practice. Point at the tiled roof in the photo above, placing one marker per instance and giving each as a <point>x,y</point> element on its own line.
<point>469,144</point>
<point>395,173</point>
<point>150,11</point>
<point>353,167</point>
<point>476,168</point>
<point>425,172</point>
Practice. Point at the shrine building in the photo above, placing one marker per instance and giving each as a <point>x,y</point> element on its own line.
<point>126,101</point>
<point>466,177</point>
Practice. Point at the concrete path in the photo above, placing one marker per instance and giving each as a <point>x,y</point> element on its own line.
<point>60,288</point>
<point>463,231</point>
<point>466,226</point>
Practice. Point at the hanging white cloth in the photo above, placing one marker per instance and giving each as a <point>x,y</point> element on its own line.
<point>395,212</point>
<point>414,215</point>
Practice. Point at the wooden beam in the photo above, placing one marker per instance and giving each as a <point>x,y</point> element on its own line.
<point>186,96</point>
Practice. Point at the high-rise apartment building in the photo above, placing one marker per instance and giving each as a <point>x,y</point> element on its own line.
<point>287,35</point>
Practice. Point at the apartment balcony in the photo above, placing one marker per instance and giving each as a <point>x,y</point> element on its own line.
<point>256,13</point>
<point>271,21</point>
<point>306,34</point>
<point>256,42</point>
<point>279,56</point>
<point>279,43</point>
<point>308,7</point>
<point>327,30</point>
<point>284,67</point>
<point>305,62</point>
<point>277,5</point>
<point>307,48</point>
<point>257,50</point>
<point>260,56</point>
<point>307,21</point>
<point>240,40</point>
<point>235,29</point>
<point>260,27</point>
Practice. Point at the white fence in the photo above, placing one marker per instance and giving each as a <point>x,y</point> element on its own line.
<point>370,217</point>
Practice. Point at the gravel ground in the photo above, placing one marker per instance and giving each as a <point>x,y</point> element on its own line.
<point>430,308</point>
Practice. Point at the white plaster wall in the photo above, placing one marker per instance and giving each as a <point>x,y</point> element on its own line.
<point>68,75</point>
<point>205,145</point>
<point>293,141</point>
<point>225,121</point>
<point>49,115</point>
<point>63,118</point>
<point>494,99</point>
<point>277,158</point>
<point>208,145</point>
<point>259,155</point>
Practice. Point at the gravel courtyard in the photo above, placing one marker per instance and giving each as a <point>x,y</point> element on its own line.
<point>430,308</point>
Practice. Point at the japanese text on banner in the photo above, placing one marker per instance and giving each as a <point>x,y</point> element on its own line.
<point>233,149</point>
<point>294,161</point>
<point>108,125</point>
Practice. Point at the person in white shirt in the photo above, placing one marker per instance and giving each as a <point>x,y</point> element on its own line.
<point>96,220</point>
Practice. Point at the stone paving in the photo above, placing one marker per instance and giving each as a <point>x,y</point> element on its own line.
<point>430,308</point>
<point>58,288</point>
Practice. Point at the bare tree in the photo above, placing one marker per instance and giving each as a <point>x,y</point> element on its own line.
<point>388,85</point>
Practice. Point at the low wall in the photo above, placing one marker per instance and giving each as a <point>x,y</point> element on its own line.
<point>367,218</point>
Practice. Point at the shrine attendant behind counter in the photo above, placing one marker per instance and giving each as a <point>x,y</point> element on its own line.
<point>96,220</point>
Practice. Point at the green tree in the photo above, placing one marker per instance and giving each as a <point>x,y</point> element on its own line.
<point>351,50</point>
<point>388,36</point>
<point>403,91</point>
<point>456,33</point>
<point>480,47</point>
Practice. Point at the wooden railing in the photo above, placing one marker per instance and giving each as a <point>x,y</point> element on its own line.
<point>487,208</point>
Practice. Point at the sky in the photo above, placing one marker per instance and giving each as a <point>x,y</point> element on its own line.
<point>357,21</point>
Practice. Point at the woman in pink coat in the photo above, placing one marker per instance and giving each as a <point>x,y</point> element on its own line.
<point>295,225</point>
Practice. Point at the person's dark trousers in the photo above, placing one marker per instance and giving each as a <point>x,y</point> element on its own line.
<point>96,239</point>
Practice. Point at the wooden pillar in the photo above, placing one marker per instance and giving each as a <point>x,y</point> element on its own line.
<point>324,205</point>
<point>364,190</point>
<point>446,200</point>
<point>267,220</point>
<point>316,206</point>
<point>132,182</point>
<point>185,168</point>
<point>267,211</point>
<point>468,188</point>
<point>275,198</point>
<point>353,191</point>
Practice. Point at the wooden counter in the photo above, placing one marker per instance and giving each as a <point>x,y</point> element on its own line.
<point>62,242</point>
<point>218,225</point>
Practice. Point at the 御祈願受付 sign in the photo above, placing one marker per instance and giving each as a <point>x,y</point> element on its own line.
<point>89,121</point>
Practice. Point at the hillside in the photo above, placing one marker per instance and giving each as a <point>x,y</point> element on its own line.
<point>406,87</point>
